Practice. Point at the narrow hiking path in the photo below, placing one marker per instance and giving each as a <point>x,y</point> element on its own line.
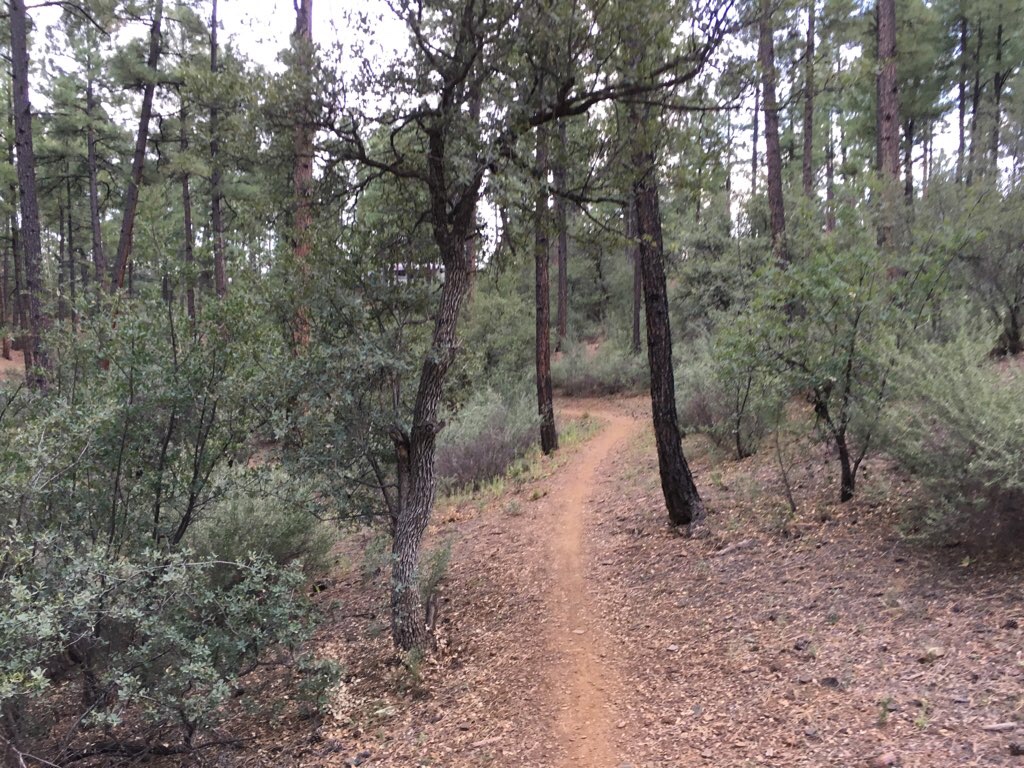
<point>578,629</point>
<point>585,684</point>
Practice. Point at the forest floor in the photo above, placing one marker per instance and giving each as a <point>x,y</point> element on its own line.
<point>578,629</point>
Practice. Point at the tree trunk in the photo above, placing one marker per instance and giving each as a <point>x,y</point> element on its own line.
<point>131,197</point>
<point>976,91</point>
<point>830,181</point>
<point>36,360</point>
<point>633,252</point>
<point>908,161</point>
<point>888,121</point>
<point>753,141</point>
<point>682,499</point>
<point>72,277</point>
<point>220,280</point>
<point>961,151</point>
<point>808,129</point>
<point>562,246</point>
<point>99,259</point>
<point>6,305</point>
<point>999,80</point>
<point>773,149</point>
<point>186,207</point>
<point>303,174</point>
<point>545,398</point>
<point>415,448</point>
<point>848,473</point>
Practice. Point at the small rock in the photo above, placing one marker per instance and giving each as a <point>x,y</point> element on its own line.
<point>812,734</point>
<point>1010,624</point>
<point>931,653</point>
<point>1016,750</point>
<point>829,682</point>
<point>802,644</point>
<point>577,631</point>
<point>884,760</point>
<point>804,679</point>
<point>673,648</point>
<point>668,720</point>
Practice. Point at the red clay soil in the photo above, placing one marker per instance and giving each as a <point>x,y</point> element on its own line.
<point>578,629</point>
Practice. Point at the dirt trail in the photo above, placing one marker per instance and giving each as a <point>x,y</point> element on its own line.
<point>584,684</point>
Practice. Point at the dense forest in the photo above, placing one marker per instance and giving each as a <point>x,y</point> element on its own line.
<point>254,308</point>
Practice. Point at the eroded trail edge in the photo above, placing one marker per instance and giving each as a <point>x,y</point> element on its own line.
<point>583,682</point>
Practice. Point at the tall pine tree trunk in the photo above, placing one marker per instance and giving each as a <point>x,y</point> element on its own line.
<point>888,122</point>
<point>131,197</point>
<point>99,259</point>
<point>220,280</point>
<point>808,127</point>
<point>562,244</point>
<point>541,224</point>
<point>961,150</point>
<point>682,499</point>
<point>773,149</point>
<point>189,235</point>
<point>36,359</point>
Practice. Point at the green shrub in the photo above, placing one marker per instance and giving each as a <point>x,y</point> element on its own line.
<point>267,512</point>
<point>723,394</point>
<point>485,437</point>
<point>957,424</point>
<point>609,369</point>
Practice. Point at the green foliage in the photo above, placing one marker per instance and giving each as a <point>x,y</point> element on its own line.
<point>605,370</point>
<point>142,564</point>
<point>957,425</point>
<point>485,437</point>
<point>722,392</point>
<point>265,510</point>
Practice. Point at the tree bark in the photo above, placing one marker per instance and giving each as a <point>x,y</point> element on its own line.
<point>451,224</point>
<point>562,245</point>
<point>131,197</point>
<point>961,151</point>
<point>303,174</point>
<point>908,161</point>
<point>773,149</point>
<point>6,304</point>
<point>888,121</point>
<point>753,142</point>
<point>633,253</point>
<point>220,280</point>
<point>36,359</point>
<point>541,253</point>
<point>186,207</point>
<point>808,128</point>
<point>99,259</point>
<point>682,499</point>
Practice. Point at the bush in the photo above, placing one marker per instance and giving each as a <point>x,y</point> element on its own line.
<point>721,393</point>
<point>958,426</point>
<point>609,369</point>
<point>142,576</point>
<point>483,439</point>
<point>264,511</point>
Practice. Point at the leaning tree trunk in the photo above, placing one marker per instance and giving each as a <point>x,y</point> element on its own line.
<point>684,503</point>
<point>545,397</point>
<point>773,147</point>
<point>131,197</point>
<point>415,448</point>
<point>36,360</point>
